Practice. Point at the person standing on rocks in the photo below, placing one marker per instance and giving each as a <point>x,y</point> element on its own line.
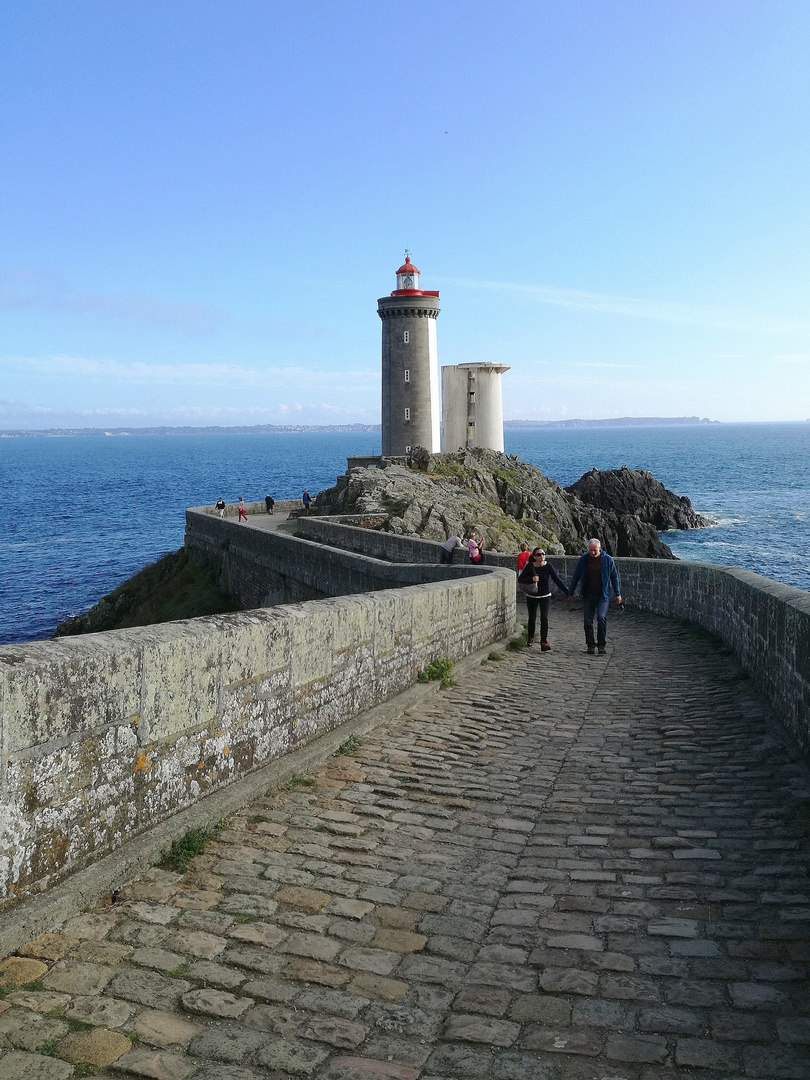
<point>535,582</point>
<point>448,547</point>
<point>269,503</point>
<point>306,500</point>
<point>598,574</point>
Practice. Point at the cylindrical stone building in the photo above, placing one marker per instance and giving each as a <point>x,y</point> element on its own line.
<point>472,406</point>
<point>410,366</point>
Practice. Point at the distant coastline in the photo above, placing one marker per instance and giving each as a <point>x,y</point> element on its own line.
<point>263,429</point>
<point>256,429</point>
<point>623,421</point>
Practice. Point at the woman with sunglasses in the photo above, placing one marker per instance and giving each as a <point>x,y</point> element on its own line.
<point>535,582</point>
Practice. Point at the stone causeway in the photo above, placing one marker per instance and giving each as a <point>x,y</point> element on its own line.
<point>564,867</point>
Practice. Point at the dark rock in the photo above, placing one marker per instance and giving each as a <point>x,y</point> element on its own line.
<point>637,492</point>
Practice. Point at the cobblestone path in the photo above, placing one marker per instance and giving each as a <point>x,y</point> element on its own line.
<point>564,868</point>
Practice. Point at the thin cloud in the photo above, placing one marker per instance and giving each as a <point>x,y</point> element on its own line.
<point>16,414</point>
<point>634,308</point>
<point>23,290</point>
<point>211,374</point>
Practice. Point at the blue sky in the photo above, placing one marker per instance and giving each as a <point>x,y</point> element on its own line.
<point>201,202</point>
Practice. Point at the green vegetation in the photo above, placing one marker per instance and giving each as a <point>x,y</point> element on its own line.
<point>189,846</point>
<point>177,972</point>
<point>453,469</point>
<point>297,781</point>
<point>348,748</point>
<point>78,1025</point>
<point>84,1070</point>
<point>518,642</point>
<point>178,586</point>
<point>49,1048</point>
<point>508,476</point>
<point>495,655</point>
<point>438,670</point>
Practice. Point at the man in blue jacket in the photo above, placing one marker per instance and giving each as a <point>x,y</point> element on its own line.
<point>598,573</point>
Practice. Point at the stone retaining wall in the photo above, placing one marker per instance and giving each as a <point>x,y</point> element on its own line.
<point>105,735</point>
<point>262,569</point>
<point>378,545</point>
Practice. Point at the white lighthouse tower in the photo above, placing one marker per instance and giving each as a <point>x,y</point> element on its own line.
<point>410,366</point>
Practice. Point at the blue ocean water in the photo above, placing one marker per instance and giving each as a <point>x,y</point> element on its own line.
<point>81,514</point>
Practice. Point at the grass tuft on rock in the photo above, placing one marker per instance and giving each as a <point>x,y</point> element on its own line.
<point>349,747</point>
<point>187,847</point>
<point>439,670</point>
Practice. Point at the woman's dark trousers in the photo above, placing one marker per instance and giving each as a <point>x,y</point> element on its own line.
<point>533,603</point>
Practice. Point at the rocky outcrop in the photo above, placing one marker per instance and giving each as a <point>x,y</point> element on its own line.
<point>636,491</point>
<point>506,501</point>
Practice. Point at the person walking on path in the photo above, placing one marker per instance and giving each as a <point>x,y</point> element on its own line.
<point>598,574</point>
<point>269,502</point>
<point>474,548</point>
<point>220,506</point>
<point>535,582</point>
<point>242,516</point>
<point>448,547</point>
<point>306,500</point>
<point>523,556</point>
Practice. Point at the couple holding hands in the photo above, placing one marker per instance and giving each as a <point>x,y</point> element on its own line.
<point>598,574</point>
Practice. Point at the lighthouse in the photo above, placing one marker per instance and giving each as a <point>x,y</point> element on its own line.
<point>410,366</point>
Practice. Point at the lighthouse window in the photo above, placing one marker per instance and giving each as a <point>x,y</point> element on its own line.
<point>406,337</point>
<point>407,374</point>
<point>407,449</point>
<point>472,395</point>
<point>407,414</point>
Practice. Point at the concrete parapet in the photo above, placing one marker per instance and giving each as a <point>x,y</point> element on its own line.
<point>105,735</point>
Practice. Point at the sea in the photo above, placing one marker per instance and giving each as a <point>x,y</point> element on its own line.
<point>81,514</point>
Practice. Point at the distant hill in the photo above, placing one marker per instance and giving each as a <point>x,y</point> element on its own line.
<point>622,421</point>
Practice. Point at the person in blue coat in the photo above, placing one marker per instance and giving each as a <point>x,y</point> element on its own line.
<point>598,574</point>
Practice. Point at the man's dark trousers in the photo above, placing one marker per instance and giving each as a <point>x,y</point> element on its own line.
<point>599,608</point>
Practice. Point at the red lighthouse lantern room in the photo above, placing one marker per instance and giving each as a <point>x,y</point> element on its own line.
<point>408,280</point>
